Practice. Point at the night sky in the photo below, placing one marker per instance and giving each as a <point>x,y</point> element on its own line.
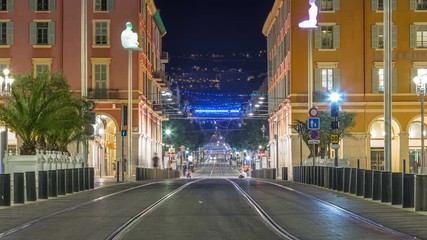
<point>213,26</point>
<point>198,31</point>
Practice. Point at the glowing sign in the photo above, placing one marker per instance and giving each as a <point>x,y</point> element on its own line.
<point>312,16</point>
<point>217,111</point>
<point>129,38</point>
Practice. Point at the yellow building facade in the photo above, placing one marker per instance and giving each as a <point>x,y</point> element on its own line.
<point>347,56</point>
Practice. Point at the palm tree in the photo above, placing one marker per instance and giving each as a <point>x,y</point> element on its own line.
<point>40,108</point>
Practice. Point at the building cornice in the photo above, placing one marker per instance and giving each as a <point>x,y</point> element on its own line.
<point>272,17</point>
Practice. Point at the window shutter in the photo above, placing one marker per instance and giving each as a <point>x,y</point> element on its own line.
<point>33,5</point>
<point>337,79</point>
<point>318,4</point>
<point>374,36</point>
<point>336,4</point>
<point>317,40</point>
<point>51,33</point>
<point>394,36</point>
<point>317,80</point>
<point>33,34</point>
<point>110,5</point>
<point>375,80</point>
<point>336,36</point>
<point>374,5</point>
<point>411,79</point>
<point>393,4</point>
<point>394,81</point>
<point>52,5</point>
<point>413,36</point>
<point>9,5</point>
<point>413,5</point>
<point>9,33</point>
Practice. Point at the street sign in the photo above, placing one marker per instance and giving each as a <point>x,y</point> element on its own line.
<point>313,141</point>
<point>335,138</point>
<point>313,112</point>
<point>313,123</point>
<point>313,134</point>
<point>335,146</point>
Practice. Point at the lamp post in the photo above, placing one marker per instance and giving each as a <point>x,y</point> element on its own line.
<point>421,81</point>
<point>129,41</point>
<point>335,109</point>
<point>5,91</point>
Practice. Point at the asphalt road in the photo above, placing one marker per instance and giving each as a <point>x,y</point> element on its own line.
<point>212,205</point>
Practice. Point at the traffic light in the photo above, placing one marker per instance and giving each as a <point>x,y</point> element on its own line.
<point>124,115</point>
<point>334,125</point>
<point>335,110</point>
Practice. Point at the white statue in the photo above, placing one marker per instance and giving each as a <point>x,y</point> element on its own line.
<point>129,38</point>
<point>312,16</point>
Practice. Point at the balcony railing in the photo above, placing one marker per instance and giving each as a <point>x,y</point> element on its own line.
<point>103,94</point>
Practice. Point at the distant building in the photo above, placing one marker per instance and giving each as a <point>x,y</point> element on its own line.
<point>47,35</point>
<point>347,57</point>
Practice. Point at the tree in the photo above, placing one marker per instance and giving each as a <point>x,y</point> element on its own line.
<point>347,120</point>
<point>183,133</point>
<point>42,109</point>
<point>249,136</point>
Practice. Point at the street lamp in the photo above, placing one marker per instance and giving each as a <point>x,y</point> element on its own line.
<point>421,81</point>
<point>335,97</point>
<point>5,91</point>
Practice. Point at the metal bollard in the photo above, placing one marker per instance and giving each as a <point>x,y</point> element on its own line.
<point>18,188</point>
<point>43,185</point>
<point>4,189</point>
<point>30,182</point>
<point>386,187</point>
<point>396,188</point>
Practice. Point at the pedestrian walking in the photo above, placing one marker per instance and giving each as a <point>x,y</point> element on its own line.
<point>155,161</point>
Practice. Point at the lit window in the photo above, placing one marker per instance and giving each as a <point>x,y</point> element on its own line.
<point>381,80</point>
<point>421,4</point>
<point>377,36</point>
<point>327,79</point>
<point>422,37</point>
<point>327,37</point>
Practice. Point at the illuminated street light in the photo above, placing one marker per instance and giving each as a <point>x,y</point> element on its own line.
<point>168,132</point>
<point>5,91</point>
<point>421,81</point>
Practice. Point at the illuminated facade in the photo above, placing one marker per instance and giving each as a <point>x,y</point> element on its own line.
<point>49,35</point>
<point>347,56</point>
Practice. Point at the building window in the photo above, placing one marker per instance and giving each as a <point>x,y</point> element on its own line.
<point>104,5</point>
<point>327,37</point>
<point>6,33</point>
<point>101,37</point>
<point>378,80</point>
<point>326,5</point>
<point>100,73</point>
<point>42,33</point>
<point>421,4</point>
<point>41,65</point>
<point>42,5</point>
<point>378,5</point>
<point>418,38</point>
<point>3,5</point>
<point>42,30</point>
<point>377,36</point>
<point>327,77</point>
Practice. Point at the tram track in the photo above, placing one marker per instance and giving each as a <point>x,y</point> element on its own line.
<point>355,216</point>
<point>69,209</point>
